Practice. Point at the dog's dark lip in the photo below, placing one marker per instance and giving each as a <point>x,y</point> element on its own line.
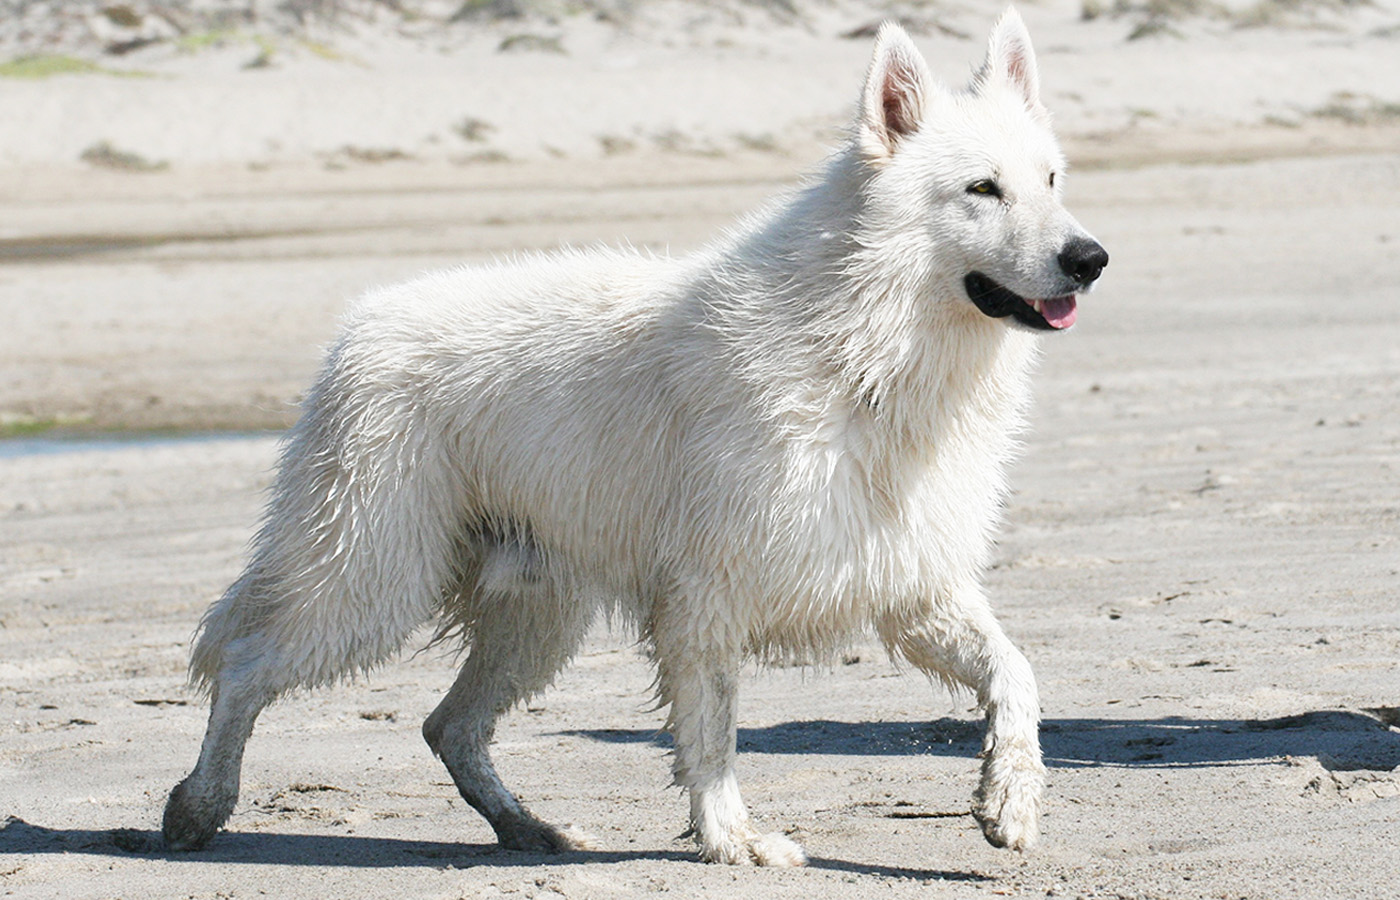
<point>998,302</point>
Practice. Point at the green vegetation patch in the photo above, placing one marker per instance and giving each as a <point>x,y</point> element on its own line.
<point>323,51</point>
<point>49,66</point>
<point>203,40</point>
<point>22,426</point>
<point>1353,109</point>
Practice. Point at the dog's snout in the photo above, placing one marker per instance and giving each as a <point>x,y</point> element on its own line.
<point>1083,259</point>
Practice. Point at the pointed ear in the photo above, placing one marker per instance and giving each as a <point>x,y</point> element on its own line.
<point>896,91</point>
<point>1011,59</point>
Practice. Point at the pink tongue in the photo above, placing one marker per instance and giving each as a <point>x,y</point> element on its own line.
<point>1059,311</point>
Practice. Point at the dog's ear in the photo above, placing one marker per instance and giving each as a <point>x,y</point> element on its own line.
<point>1011,59</point>
<point>896,91</point>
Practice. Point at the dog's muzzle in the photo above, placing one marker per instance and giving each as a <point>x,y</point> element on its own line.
<point>1081,260</point>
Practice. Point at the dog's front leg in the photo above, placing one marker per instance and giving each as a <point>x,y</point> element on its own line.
<point>956,638</point>
<point>698,677</point>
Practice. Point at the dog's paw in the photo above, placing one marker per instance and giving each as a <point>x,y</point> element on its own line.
<point>192,819</point>
<point>578,839</point>
<point>533,836</point>
<point>749,848</point>
<point>1007,803</point>
<point>1018,833</point>
<point>776,851</point>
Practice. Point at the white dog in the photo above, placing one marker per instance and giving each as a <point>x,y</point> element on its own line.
<point>794,436</point>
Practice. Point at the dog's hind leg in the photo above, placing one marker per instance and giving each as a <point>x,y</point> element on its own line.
<point>199,805</point>
<point>248,656</point>
<point>956,639</point>
<point>698,662</point>
<point>520,639</point>
<point>353,555</point>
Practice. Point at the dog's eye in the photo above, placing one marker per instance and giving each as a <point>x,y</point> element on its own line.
<point>985,188</point>
<point>1052,179</point>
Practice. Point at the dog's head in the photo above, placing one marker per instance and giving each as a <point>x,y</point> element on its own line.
<point>969,181</point>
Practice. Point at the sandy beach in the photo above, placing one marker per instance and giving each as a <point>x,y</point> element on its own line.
<point>1200,557</point>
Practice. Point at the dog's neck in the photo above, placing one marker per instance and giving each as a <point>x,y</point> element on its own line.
<point>818,310</point>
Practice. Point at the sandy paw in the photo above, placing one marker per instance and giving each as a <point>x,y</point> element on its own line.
<point>1007,803</point>
<point>577,839</point>
<point>772,850</point>
<point>1010,832</point>
<point>776,851</point>
<point>533,836</point>
<point>192,818</point>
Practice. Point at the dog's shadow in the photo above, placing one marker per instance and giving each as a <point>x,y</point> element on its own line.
<point>350,851</point>
<point>1344,740</point>
<point>1340,740</point>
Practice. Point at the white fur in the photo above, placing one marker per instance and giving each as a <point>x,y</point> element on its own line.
<point>794,436</point>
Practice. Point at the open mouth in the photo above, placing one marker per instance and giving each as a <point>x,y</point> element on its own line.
<point>1046,314</point>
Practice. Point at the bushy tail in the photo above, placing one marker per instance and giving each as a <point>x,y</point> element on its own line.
<point>354,551</point>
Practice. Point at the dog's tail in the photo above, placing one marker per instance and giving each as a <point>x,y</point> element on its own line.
<point>356,545</point>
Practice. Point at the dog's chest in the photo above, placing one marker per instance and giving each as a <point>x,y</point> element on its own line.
<point>868,515</point>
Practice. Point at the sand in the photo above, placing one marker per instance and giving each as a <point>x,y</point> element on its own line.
<point>1200,556</point>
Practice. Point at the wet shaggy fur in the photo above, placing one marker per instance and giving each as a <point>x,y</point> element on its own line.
<point>794,436</point>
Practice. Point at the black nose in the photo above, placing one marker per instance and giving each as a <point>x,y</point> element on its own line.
<point>1083,259</point>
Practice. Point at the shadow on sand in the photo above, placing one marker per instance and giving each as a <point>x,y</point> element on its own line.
<point>1344,739</point>
<point>1340,740</point>
<point>351,851</point>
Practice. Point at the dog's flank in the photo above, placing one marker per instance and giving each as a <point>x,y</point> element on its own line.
<point>792,437</point>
